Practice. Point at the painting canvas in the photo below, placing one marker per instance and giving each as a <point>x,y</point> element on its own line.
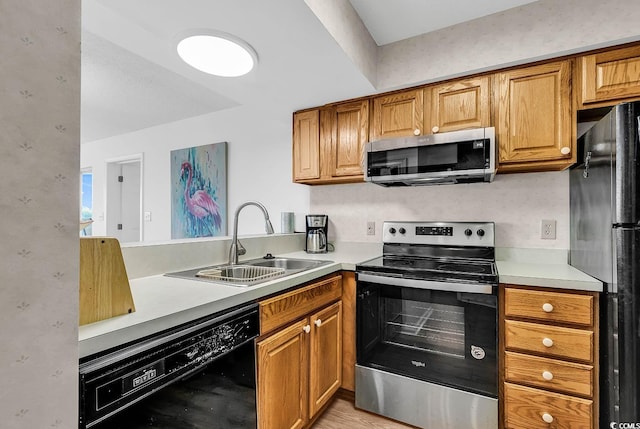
<point>199,191</point>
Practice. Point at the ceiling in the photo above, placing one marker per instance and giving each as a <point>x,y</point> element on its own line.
<point>133,79</point>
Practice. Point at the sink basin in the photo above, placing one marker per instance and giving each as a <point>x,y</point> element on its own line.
<point>287,263</point>
<point>249,273</point>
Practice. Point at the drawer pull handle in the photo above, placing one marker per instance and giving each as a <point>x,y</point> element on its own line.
<point>547,342</point>
<point>548,418</point>
<point>318,322</point>
<point>565,150</point>
<point>306,328</point>
<point>547,308</point>
<point>416,132</point>
<point>547,375</point>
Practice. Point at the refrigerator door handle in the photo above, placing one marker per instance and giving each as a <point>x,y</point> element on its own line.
<point>587,159</point>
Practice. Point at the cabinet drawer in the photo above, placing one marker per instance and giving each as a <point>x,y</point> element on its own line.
<point>560,342</point>
<point>285,308</point>
<point>549,306</point>
<point>566,377</point>
<point>527,408</point>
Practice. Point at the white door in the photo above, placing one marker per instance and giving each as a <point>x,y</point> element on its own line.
<point>124,210</point>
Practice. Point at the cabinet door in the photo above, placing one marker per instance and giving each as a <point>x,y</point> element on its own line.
<point>349,135</point>
<point>609,76</point>
<point>534,123</point>
<point>325,360</point>
<point>306,145</point>
<point>399,114</point>
<point>283,378</point>
<point>459,105</point>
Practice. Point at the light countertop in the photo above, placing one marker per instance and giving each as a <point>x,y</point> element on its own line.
<point>164,302</point>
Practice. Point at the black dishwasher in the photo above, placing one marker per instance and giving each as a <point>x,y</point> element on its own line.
<point>198,375</point>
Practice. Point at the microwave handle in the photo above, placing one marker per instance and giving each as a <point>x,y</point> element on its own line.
<point>427,284</point>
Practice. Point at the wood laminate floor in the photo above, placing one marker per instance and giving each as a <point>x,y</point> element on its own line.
<point>342,414</point>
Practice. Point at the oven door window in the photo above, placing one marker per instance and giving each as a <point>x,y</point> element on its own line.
<point>447,338</point>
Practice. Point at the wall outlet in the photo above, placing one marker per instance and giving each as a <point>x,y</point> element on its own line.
<point>147,216</point>
<point>548,229</point>
<point>371,228</point>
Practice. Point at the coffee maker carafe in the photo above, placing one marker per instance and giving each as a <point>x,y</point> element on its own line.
<point>317,228</point>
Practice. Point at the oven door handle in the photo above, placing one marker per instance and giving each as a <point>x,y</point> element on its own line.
<point>486,289</point>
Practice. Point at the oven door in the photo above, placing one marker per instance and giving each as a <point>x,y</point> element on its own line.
<point>439,336</point>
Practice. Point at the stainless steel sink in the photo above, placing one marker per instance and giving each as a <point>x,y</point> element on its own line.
<point>249,273</point>
<point>287,263</point>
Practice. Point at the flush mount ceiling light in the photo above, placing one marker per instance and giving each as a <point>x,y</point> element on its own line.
<point>217,53</point>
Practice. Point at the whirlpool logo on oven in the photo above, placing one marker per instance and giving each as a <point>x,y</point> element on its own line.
<point>418,364</point>
<point>147,376</point>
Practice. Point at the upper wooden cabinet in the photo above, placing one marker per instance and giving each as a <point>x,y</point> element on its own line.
<point>534,120</point>
<point>397,115</point>
<point>328,143</point>
<point>306,145</point>
<point>611,76</point>
<point>349,131</point>
<point>458,105</point>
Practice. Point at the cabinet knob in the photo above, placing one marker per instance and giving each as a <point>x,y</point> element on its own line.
<point>548,418</point>
<point>416,132</point>
<point>306,328</point>
<point>318,322</point>
<point>547,307</point>
<point>547,375</point>
<point>435,129</point>
<point>565,150</point>
<point>547,342</point>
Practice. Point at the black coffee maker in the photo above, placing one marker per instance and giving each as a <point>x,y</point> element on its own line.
<point>316,238</point>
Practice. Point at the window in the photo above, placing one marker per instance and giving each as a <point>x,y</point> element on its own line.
<point>86,202</point>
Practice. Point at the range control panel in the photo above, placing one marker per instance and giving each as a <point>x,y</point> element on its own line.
<point>440,233</point>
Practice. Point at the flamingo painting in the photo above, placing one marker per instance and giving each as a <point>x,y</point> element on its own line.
<point>200,204</point>
<point>198,191</point>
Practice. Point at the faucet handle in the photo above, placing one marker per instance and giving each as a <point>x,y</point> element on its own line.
<point>240,249</point>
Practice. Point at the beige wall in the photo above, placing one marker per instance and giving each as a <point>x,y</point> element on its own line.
<point>39,192</point>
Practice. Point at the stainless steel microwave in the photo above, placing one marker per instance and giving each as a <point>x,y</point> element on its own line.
<point>454,157</point>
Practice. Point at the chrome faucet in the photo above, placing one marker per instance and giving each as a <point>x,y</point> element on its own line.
<point>236,247</point>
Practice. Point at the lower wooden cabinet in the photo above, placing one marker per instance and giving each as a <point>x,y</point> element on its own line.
<point>550,358</point>
<point>528,408</point>
<point>299,366</point>
<point>283,378</point>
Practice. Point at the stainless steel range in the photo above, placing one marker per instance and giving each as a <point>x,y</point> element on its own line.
<point>426,333</point>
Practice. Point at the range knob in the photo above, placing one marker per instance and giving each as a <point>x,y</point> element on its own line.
<point>402,230</point>
<point>468,232</point>
<point>480,232</point>
<point>392,230</point>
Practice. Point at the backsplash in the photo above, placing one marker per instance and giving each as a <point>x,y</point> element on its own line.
<point>517,203</point>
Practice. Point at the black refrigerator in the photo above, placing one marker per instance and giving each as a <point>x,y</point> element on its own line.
<point>605,243</point>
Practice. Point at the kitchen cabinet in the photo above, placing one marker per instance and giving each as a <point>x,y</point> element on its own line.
<point>328,143</point>
<point>550,359</point>
<point>306,145</point>
<point>349,331</point>
<point>398,114</point>
<point>534,120</point>
<point>299,354</point>
<point>464,103</point>
<point>609,77</point>
<point>348,131</point>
